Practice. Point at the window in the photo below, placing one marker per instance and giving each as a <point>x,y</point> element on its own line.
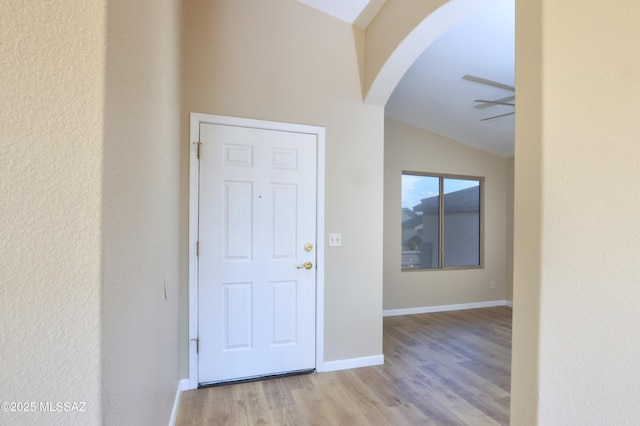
<point>441,221</point>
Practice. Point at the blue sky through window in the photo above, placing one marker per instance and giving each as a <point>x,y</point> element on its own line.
<point>416,188</point>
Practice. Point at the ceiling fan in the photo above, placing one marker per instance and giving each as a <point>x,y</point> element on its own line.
<point>484,103</point>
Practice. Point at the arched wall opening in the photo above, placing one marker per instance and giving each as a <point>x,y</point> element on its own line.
<point>389,71</point>
<point>385,75</point>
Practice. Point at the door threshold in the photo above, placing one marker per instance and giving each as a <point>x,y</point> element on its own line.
<point>255,378</point>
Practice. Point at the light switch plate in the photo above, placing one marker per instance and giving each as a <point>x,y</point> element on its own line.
<point>335,240</point>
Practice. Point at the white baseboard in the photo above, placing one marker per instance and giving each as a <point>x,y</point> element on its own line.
<point>344,364</point>
<point>444,308</point>
<point>182,385</point>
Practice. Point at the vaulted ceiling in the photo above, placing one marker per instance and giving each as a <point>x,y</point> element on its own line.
<point>434,96</point>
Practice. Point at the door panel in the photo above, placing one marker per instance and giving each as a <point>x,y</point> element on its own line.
<point>284,221</point>
<point>284,312</point>
<point>238,224</point>
<point>237,328</point>
<point>257,211</point>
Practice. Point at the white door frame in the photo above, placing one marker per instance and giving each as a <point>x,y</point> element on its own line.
<point>195,120</point>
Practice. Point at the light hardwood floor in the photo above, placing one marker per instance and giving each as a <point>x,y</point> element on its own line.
<point>449,368</point>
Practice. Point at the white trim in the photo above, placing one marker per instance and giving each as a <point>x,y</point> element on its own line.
<point>182,385</point>
<point>195,120</point>
<point>320,247</point>
<point>444,308</point>
<point>193,259</point>
<point>509,303</point>
<point>345,364</point>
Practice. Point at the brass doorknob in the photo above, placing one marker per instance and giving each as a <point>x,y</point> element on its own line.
<point>306,265</point>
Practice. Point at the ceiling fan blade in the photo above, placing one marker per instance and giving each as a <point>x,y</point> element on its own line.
<point>498,116</point>
<point>488,82</point>
<point>494,102</point>
<point>507,99</point>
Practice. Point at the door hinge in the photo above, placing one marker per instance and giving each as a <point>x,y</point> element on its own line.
<point>197,144</point>
<point>197,340</point>
<point>197,248</point>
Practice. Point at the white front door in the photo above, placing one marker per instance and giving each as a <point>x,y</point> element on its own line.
<point>257,252</point>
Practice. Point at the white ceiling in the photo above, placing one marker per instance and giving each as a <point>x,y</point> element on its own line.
<point>358,12</point>
<point>433,96</point>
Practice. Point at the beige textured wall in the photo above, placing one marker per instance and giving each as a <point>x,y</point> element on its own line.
<point>90,210</point>
<point>141,212</point>
<point>577,158</point>
<point>283,61</point>
<point>412,149</point>
<point>51,97</point>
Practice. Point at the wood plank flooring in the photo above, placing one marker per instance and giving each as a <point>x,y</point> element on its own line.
<point>448,368</point>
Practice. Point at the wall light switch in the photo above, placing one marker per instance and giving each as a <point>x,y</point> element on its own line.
<point>335,240</point>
